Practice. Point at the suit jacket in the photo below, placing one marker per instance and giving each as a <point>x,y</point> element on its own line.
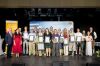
<point>9,39</point>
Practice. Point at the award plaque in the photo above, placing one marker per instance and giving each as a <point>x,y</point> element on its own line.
<point>61,39</point>
<point>47,39</point>
<point>57,39</point>
<point>72,38</point>
<point>31,38</point>
<point>40,38</point>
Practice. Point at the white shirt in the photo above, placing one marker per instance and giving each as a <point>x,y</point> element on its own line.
<point>25,35</point>
<point>78,34</point>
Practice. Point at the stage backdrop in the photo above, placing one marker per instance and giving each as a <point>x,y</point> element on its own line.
<point>11,24</point>
<point>55,24</point>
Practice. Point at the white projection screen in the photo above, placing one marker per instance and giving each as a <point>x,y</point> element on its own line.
<point>55,24</point>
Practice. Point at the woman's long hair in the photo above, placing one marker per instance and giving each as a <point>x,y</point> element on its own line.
<point>16,32</point>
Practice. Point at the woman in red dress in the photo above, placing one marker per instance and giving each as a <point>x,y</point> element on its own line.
<point>17,48</point>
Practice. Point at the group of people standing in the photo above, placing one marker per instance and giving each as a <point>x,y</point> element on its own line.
<point>50,42</point>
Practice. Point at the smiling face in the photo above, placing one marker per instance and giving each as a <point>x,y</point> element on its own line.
<point>88,33</point>
<point>10,30</point>
<point>55,30</point>
<point>25,28</point>
<point>47,30</point>
<point>91,29</point>
<point>78,30</point>
<point>83,32</point>
<point>17,31</point>
<point>59,30</point>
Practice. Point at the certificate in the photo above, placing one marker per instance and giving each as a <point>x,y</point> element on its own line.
<point>72,38</point>
<point>57,39</point>
<point>40,46</point>
<point>31,38</point>
<point>47,39</point>
<point>79,39</point>
<point>40,38</point>
<point>61,39</point>
<point>66,41</point>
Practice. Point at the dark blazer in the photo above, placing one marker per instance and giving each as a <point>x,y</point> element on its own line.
<point>9,39</point>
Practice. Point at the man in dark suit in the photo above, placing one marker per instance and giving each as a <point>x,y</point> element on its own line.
<point>9,42</point>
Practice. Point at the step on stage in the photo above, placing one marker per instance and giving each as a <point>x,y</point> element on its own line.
<point>50,61</point>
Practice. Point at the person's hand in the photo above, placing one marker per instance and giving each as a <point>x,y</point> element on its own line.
<point>14,43</point>
<point>7,44</point>
<point>21,43</point>
<point>2,39</point>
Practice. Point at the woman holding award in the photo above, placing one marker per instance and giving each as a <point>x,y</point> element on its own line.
<point>66,41</point>
<point>55,48</point>
<point>89,40</point>
<point>47,42</point>
<point>40,42</point>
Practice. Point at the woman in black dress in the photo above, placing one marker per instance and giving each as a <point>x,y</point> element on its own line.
<point>47,41</point>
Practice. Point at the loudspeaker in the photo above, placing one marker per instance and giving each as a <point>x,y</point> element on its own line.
<point>18,64</point>
<point>92,64</point>
<point>61,63</point>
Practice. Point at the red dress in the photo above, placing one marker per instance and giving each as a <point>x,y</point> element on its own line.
<point>17,48</point>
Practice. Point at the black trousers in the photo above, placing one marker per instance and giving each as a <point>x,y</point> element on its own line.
<point>78,47</point>
<point>9,50</point>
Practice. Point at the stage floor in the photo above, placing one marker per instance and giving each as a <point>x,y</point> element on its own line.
<point>48,61</point>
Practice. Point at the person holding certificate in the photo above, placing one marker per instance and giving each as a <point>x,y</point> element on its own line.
<point>78,36</point>
<point>25,41</point>
<point>32,42</point>
<point>47,41</point>
<point>89,40</point>
<point>40,42</point>
<point>72,45</point>
<point>61,41</point>
<point>66,41</point>
<point>55,48</point>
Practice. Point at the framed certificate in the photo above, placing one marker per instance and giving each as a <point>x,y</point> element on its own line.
<point>40,38</point>
<point>40,46</point>
<point>57,39</point>
<point>79,38</point>
<point>47,39</point>
<point>66,41</point>
<point>31,38</point>
<point>72,38</point>
<point>61,39</point>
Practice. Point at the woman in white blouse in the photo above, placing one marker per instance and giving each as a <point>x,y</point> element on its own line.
<point>89,40</point>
